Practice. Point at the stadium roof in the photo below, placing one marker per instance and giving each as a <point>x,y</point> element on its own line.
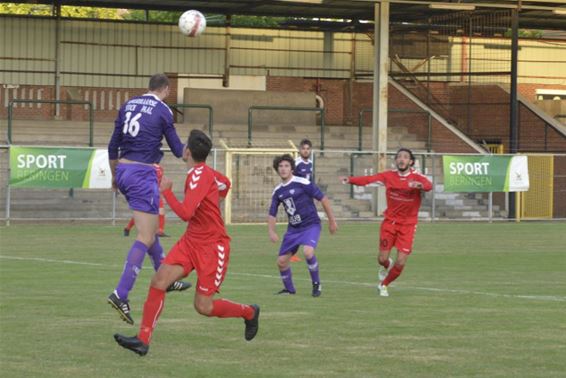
<point>535,14</point>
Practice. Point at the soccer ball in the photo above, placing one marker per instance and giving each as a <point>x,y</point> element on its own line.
<point>192,23</point>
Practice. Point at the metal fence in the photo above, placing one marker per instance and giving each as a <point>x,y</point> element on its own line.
<point>349,203</point>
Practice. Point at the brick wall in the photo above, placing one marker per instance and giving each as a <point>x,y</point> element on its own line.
<point>489,110</point>
<point>529,90</point>
<point>333,93</point>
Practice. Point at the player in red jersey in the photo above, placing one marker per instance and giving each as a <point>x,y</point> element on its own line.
<point>161,230</point>
<point>204,247</point>
<point>404,187</point>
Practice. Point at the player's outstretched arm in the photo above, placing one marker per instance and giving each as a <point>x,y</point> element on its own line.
<point>171,136</point>
<point>271,221</point>
<point>332,225</point>
<point>363,180</point>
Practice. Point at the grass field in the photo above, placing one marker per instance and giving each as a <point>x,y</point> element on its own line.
<point>474,300</point>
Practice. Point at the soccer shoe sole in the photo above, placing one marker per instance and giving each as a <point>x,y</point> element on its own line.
<point>123,316</point>
<point>123,341</point>
<point>186,286</point>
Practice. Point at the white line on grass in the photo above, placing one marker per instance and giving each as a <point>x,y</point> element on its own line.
<point>551,298</point>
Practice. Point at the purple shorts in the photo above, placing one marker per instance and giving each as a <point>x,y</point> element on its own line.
<point>138,183</point>
<point>293,239</point>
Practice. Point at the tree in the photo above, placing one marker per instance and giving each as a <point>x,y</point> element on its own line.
<point>66,11</point>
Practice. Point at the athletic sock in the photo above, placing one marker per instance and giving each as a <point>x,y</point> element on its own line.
<point>151,310</point>
<point>132,267</point>
<point>287,278</point>
<point>161,223</point>
<point>131,224</point>
<point>223,308</point>
<point>156,254</point>
<point>393,274</point>
<point>312,264</point>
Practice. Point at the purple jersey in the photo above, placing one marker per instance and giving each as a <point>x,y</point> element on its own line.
<point>303,168</point>
<point>141,124</point>
<point>297,198</point>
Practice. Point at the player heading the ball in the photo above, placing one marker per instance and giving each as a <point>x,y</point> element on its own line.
<point>204,247</point>
<point>134,149</point>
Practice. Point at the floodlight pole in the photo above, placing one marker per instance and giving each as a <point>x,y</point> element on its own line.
<point>380,85</point>
<point>514,105</point>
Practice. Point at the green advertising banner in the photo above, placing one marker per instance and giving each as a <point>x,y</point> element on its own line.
<point>47,167</point>
<point>487,173</point>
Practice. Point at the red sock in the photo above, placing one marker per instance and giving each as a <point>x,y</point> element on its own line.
<point>385,264</point>
<point>393,274</point>
<point>131,224</point>
<point>161,223</point>
<point>151,311</point>
<point>223,308</point>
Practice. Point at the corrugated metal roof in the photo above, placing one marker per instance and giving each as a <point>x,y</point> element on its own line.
<point>536,14</point>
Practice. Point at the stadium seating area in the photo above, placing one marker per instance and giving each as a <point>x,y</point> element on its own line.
<point>270,129</point>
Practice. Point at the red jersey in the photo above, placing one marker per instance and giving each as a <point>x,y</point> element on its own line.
<point>403,202</point>
<point>201,206</point>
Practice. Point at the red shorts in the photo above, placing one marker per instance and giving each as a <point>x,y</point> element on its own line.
<point>396,235</point>
<point>210,260</point>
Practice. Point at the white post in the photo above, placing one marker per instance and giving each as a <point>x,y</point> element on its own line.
<point>380,84</point>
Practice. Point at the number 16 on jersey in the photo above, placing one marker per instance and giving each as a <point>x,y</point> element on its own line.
<point>132,126</point>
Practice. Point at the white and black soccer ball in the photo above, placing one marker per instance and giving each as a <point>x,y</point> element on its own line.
<point>192,23</point>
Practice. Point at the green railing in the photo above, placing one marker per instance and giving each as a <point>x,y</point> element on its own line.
<point>368,110</point>
<point>200,106</point>
<point>62,102</point>
<point>322,112</point>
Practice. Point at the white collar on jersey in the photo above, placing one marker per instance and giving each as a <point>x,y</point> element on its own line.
<point>301,160</point>
<point>152,94</point>
<point>409,171</point>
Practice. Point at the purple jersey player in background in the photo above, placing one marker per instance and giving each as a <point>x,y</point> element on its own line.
<point>303,164</point>
<point>297,194</point>
<point>133,149</point>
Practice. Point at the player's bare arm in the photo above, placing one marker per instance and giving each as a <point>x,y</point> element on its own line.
<point>332,225</point>
<point>271,221</point>
<point>113,164</point>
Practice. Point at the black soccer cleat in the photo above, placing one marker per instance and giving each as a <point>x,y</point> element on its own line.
<point>179,286</point>
<point>316,289</point>
<point>285,292</point>
<point>123,308</point>
<point>126,232</point>
<point>132,343</point>
<point>162,235</point>
<point>252,325</point>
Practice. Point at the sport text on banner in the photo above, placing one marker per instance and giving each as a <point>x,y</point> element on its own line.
<point>485,173</point>
<point>53,167</point>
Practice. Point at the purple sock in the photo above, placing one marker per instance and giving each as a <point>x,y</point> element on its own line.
<point>156,254</point>
<point>312,264</point>
<point>287,278</point>
<point>132,267</point>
